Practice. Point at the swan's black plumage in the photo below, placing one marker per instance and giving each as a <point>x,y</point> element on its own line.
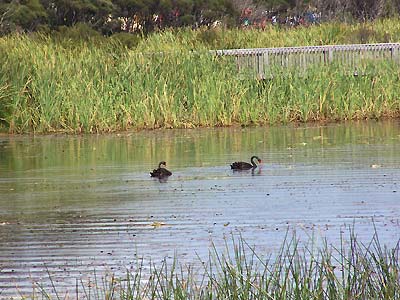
<point>161,172</point>
<point>241,165</point>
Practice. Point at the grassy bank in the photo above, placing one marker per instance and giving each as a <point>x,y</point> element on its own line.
<point>352,270</point>
<point>48,85</point>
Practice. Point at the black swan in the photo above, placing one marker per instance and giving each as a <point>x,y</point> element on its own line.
<point>241,165</point>
<point>161,172</point>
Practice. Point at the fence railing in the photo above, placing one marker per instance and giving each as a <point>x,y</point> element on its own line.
<point>261,61</point>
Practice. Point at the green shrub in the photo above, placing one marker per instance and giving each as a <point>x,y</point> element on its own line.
<point>129,40</point>
<point>80,31</point>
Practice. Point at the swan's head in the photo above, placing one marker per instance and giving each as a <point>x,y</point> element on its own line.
<point>256,157</point>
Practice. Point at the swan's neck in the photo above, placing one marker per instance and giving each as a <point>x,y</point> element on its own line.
<point>252,162</point>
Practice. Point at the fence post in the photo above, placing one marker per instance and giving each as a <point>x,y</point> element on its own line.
<point>266,61</point>
<point>260,63</point>
<point>394,53</point>
<point>330,54</point>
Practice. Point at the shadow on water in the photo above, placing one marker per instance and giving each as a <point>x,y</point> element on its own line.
<point>253,172</point>
<point>161,179</point>
<point>78,203</point>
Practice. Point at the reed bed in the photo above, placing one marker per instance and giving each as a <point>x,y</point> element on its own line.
<point>300,270</point>
<point>47,85</point>
<point>331,33</point>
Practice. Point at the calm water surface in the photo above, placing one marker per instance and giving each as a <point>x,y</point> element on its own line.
<point>71,205</point>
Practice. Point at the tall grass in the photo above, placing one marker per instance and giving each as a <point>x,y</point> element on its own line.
<point>300,270</point>
<point>379,31</point>
<point>80,86</point>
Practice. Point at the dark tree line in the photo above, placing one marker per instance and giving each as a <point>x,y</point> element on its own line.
<point>108,16</point>
<point>111,16</point>
<point>344,10</point>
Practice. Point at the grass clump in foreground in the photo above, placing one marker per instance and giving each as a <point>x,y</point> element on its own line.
<point>298,271</point>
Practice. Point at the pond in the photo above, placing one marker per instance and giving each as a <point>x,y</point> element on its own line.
<point>72,205</point>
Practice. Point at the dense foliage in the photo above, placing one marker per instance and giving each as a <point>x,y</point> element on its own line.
<point>108,16</point>
<point>98,85</point>
<point>143,16</point>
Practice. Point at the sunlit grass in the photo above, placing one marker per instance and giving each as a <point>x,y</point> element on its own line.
<point>330,33</point>
<point>68,86</point>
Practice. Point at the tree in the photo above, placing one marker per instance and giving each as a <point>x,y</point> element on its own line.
<point>70,12</point>
<point>134,13</point>
<point>24,15</point>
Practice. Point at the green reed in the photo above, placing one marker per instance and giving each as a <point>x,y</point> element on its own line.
<point>380,31</point>
<point>100,86</point>
<point>299,270</point>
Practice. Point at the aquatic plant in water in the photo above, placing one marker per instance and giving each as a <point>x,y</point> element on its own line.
<point>299,270</point>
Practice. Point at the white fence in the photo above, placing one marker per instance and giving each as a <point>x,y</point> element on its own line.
<point>261,61</point>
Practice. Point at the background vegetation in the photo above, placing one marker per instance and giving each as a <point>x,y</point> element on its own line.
<point>49,84</point>
<point>96,66</point>
<point>142,16</point>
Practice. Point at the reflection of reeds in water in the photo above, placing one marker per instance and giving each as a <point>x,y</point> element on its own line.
<point>298,271</point>
<point>49,86</point>
<point>191,147</point>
